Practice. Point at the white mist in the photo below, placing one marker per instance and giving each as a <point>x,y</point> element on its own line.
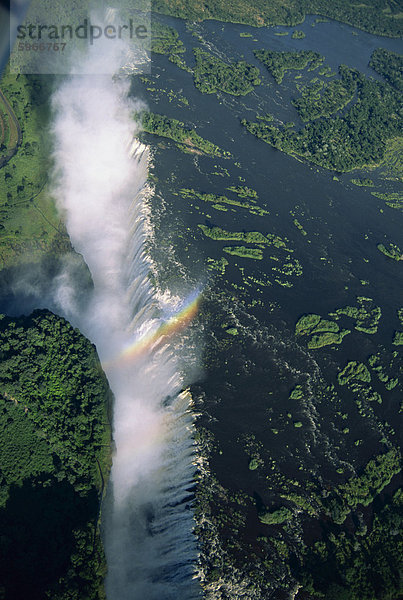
<point>100,184</point>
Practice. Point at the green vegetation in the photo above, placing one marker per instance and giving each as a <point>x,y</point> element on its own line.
<point>328,542</point>
<point>392,199</point>
<point>366,315</point>
<point>376,475</point>
<point>55,459</point>
<point>244,252</point>
<point>10,131</point>
<point>218,200</point>
<point>29,224</point>
<point>325,325</point>
<point>376,16</point>
<point>377,364</point>
<point>345,142</point>
<point>391,251</point>
<point>298,35</point>
<point>306,323</point>
<point>217,265</point>
<point>327,339</point>
<point>322,331</point>
<point>23,453</point>
<point>243,191</point>
<point>277,63</point>
<point>284,267</point>
<point>300,227</point>
<point>276,517</point>
<point>297,393</point>
<point>398,338</point>
<point>176,130</point>
<point>365,565</point>
<point>250,237</point>
<point>389,65</point>
<point>165,40</point>
<point>392,162</point>
<point>212,75</point>
<point>363,182</point>
<point>323,100</point>
<point>354,370</point>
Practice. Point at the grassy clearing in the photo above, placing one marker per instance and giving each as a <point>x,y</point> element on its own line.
<point>29,223</point>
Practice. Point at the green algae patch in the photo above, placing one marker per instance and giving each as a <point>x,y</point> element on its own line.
<point>324,325</point>
<point>297,393</point>
<point>249,237</point>
<point>383,366</point>
<point>365,182</point>
<point>276,517</point>
<point>250,205</point>
<point>354,371</point>
<point>327,339</point>
<point>244,252</point>
<point>323,331</point>
<point>253,464</point>
<point>299,226</point>
<point>232,331</point>
<point>243,191</point>
<point>398,338</point>
<point>306,323</point>
<point>391,251</point>
<point>217,265</point>
<point>392,199</point>
<point>366,314</point>
<point>285,265</point>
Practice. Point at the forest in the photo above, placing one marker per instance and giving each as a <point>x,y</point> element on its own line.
<point>277,63</point>
<point>341,142</point>
<point>55,459</point>
<point>389,65</point>
<point>375,16</point>
<point>178,132</point>
<point>211,74</point>
<point>323,100</point>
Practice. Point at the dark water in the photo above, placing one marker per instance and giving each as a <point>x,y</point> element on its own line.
<point>337,214</point>
<point>247,388</point>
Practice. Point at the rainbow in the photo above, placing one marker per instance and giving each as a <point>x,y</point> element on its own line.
<point>167,329</point>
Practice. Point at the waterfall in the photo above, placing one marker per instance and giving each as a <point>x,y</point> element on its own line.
<point>101,187</point>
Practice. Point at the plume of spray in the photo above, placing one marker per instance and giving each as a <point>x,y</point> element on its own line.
<point>101,186</point>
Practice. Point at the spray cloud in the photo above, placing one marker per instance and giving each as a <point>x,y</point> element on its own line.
<point>101,186</point>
